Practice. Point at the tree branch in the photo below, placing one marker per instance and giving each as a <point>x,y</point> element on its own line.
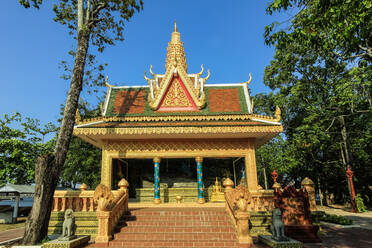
<point>333,120</point>
<point>87,14</point>
<point>95,11</point>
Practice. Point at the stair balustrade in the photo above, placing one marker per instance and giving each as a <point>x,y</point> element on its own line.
<point>110,207</point>
<point>237,201</point>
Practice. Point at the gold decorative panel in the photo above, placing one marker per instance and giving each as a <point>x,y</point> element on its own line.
<point>176,96</point>
<point>177,146</point>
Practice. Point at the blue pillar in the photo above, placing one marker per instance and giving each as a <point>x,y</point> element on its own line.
<point>199,171</point>
<point>243,173</point>
<point>156,180</point>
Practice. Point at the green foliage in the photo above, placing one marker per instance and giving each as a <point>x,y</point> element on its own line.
<point>337,219</point>
<point>83,165</point>
<point>83,162</point>
<point>46,239</point>
<point>20,145</point>
<point>321,79</point>
<point>360,204</point>
<point>27,3</point>
<point>341,27</point>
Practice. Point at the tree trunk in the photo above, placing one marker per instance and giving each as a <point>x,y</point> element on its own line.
<point>48,168</point>
<point>345,141</point>
<point>349,162</point>
<point>46,177</point>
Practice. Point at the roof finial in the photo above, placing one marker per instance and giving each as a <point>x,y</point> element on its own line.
<point>175,50</point>
<point>250,79</point>
<point>278,113</point>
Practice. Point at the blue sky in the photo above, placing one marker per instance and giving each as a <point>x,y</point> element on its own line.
<point>225,36</point>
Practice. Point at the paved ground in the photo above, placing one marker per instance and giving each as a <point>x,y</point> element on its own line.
<point>340,238</point>
<point>343,238</point>
<point>11,234</point>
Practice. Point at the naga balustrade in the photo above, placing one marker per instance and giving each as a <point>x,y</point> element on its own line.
<point>237,201</point>
<point>110,206</point>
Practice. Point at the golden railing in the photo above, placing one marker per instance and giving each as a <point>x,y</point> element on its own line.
<point>75,200</point>
<point>110,206</point>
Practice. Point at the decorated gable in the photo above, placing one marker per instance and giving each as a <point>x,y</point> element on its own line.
<point>177,98</point>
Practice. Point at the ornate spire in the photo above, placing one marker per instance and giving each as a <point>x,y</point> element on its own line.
<point>175,52</point>
<point>176,89</point>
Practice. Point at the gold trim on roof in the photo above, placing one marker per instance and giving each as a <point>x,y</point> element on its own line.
<point>180,118</point>
<point>178,130</point>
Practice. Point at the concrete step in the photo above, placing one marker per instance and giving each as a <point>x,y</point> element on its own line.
<point>175,218</point>
<point>124,236</point>
<point>173,244</point>
<point>177,223</point>
<point>181,229</point>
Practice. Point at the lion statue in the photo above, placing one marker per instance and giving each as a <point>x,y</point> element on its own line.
<point>68,227</point>
<point>277,228</point>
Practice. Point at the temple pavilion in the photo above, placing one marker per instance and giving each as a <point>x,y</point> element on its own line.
<point>177,115</point>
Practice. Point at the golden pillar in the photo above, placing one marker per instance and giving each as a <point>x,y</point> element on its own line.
<point>250,167</point>
<point>106,169</point>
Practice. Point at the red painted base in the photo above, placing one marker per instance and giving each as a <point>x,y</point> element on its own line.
<point>303,233</point>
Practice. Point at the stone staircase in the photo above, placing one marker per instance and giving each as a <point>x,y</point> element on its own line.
<point>175,227</point>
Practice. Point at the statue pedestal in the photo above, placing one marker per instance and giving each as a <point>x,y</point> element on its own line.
<point>268,240</point>
<point>79,241</point>
<point>217,197</point>
<point>67,238</point>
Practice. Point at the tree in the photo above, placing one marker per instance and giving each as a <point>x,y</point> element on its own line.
<point>19,147</point>
<point>97,23</point>
<point>321,76</point>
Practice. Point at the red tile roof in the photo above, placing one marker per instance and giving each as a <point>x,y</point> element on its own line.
<point>224,100</point>
<point>130,102</point>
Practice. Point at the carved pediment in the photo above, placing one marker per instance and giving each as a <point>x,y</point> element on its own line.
<point>176,90</point>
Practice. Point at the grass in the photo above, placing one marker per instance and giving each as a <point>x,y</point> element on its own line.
<point>337,219</point>
<point>21,223</point>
